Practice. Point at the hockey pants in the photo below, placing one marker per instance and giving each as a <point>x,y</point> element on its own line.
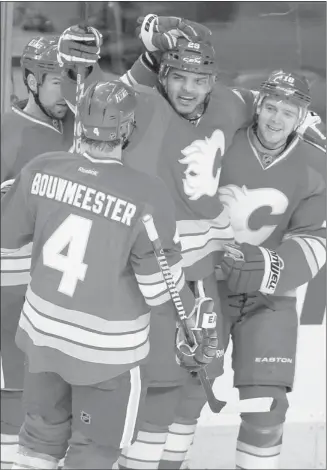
<point>86,424</point>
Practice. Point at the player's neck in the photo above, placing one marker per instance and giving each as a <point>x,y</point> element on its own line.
<point>260,146</point>
<point>33,109</point>
<point>100,155</point>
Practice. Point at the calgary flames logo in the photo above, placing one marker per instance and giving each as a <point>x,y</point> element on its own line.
<point>241,204</point>
<point>200,158</point>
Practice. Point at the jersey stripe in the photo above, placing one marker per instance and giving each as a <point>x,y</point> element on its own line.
<point>132,407</point>
<point>165,297</point>
<point>315,256</point>
<point>154,287</point>
<point>16,265</point>
<point>83,336</point>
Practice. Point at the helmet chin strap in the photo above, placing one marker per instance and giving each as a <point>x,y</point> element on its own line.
<point>44,110</point>
<point>255,130</point>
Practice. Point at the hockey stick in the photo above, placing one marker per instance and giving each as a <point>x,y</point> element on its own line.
<point>213,402</point>
<point>79,92</point>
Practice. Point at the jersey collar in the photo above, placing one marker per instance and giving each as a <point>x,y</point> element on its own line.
<point>55,124</point>
<point>268,164</point>
<point>101,160</point>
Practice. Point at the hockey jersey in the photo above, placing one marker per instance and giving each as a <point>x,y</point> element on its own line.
<point>280,206</point>
<point>22,138</point>
<point>94,276</point>
<point>188,159</point>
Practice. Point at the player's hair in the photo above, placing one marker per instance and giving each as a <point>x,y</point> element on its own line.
<point>100,145</point>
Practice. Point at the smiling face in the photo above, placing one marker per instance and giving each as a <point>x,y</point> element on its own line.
<point>186,90</point>
<point>276,121</point>
<point>51,98</point>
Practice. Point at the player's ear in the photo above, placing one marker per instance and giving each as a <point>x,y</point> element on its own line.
<point>31,82</point>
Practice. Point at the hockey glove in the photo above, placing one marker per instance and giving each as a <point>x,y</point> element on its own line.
<point>6,185</point>
<point>79,46</point>
<point>161,32</point>
<point>202,328</point>
<point>249,268</point>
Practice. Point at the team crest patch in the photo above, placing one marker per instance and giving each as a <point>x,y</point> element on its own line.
<point>85,417</point>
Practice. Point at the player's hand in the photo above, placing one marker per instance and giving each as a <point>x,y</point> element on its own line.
<point>249,268</point>
<point>161,32</point>
<point>6,185</point>
<point>79,46</point>
<point>203,334</point>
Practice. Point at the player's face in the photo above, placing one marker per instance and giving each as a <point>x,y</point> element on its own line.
<point>276,121</point>
<point>51,97</point>
<point>187,90</point>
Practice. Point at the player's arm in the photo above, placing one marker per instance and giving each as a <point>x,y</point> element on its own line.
<point>200,324</point>
<point>10,143</point>
<point>313,131</point>
<point>303,249</point>
<point>17,228</point>
<point>296,261</point>
<point>17,217</point>
<point>144,262</point>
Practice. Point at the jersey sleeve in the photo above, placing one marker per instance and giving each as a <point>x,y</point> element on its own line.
<point>10,144</point>
<point>313,131</point>
<point>148,274</point>
<point>303,249</point>
<point>143,71</point>
<point>17,217</point>
<point>245,108</point>
<point>17,229</point>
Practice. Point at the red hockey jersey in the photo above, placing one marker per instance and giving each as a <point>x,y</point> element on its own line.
<point>23,137</point>
<point>187,158</point>
<point>280,206</point>
<point>85,317</point>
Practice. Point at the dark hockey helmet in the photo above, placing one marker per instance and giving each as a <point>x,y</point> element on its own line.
<point>289,87</point>
<point>40,57</point>
<point>107,111</point>
<point>197,57</point>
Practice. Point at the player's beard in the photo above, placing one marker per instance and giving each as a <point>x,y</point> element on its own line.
<point>50,111</point>
<point>57,111</point>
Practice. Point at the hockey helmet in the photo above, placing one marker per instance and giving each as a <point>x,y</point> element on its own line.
<point>197,57</point>
<point>106,111</point>
<point>40,57</point>
<point>289,87</point>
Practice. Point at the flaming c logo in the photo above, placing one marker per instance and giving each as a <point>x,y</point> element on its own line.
<point>202,172</point>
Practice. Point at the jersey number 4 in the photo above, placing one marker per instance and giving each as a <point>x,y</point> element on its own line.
<point>74,234</point>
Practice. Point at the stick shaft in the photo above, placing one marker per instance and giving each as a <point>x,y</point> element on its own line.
<point>215,404</point>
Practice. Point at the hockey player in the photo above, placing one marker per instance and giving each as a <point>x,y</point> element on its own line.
<point>85,323</point>
<point>222,109</point>
<point>36,125</point>
<point>32,127</point>
<point>276,201</point>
